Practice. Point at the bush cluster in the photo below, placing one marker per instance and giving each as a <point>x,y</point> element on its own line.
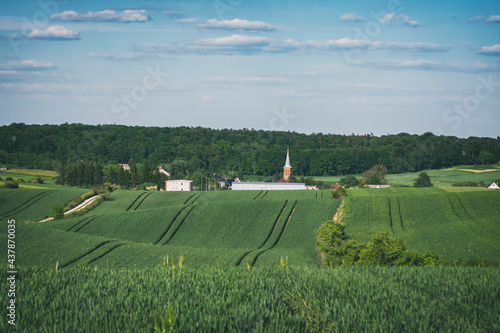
<point>384,250</point>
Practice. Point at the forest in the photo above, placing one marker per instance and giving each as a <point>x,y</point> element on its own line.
<point>186,151</point>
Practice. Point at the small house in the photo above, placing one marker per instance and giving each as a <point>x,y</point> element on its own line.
<point>494,186</point>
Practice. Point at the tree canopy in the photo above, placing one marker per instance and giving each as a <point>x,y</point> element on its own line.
<point>189,150</point>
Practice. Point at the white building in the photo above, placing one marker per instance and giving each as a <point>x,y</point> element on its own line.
<point>179,185</point>
<point>241,186</point>
<point>494,186</point>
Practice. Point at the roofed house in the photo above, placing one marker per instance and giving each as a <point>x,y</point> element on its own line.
<point>494,186</point>
<point>163,171</point>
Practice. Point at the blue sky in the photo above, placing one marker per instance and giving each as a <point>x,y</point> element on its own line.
<point>317,66</point>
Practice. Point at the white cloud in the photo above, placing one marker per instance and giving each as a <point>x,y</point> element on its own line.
<point>423,64</point>
<point>493,18</point>
<point>476,18</point>
<point>108,56</point>
<point>31,65</point>
<point>187,20</point>
<point>413,47</point>
<point>173,13</point>
<point>241,44</point>
<point>107,15</point>
<point>392,18</point>
<point>351,17</point>
<point>55,32</point>
<point>490,50</point>
<point>236,25</point>
<point>264,79</point>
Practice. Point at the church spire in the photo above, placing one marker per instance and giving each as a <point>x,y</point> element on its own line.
<point>287,163</point>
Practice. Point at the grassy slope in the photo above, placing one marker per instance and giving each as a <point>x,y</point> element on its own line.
<point>455,225</point>
<point>25,205</point>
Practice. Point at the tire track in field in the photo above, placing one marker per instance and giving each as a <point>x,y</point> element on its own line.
<point>86,253</point>
<point>400,216</point>
<point>180,224</point>
<point>463,207</point>
<point>185,202</point>
<point>28,202</point>
<point>85,224</point>
<point>140,203</point>
<point>77,223</point>
<point>453,208</point>
<point>279,236</point>
<point>390,214</point>
<point>262,197</point>
<point>105,253</point>
<point>133,202</point>
<point>170,225</point>
<point>192,202</point>
<point>238,262</point>
<point>258,194</point>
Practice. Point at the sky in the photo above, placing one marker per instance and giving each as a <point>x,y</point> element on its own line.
<point>337,66</point>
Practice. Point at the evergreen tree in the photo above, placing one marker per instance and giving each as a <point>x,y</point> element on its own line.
<point>423,180</point>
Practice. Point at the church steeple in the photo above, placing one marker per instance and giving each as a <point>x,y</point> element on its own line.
<point>287,169</point>
<point>287,163</point>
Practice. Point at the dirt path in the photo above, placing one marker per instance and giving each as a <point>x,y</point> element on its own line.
<point>77,208</point>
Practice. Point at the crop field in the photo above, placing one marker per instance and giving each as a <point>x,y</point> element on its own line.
<point>273,299</point>
<point>141,228</point>
<point>29,205</point>
<point>454,224</point>
<point>440,178</point>
<point>246,261</point>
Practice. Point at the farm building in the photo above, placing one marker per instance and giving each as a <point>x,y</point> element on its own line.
<point>494,186</point>
<point>179,185</point>
<point>377,186</point>
<point>240,186</point>
<point>280,185</point>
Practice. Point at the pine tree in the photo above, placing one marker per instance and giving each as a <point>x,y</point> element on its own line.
<point>423,180</point>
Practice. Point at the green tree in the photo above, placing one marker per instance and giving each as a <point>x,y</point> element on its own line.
<point>423,180</point>
<point>339,193</point>
<point>57,212</point>
<point>376,175</point>
<point>349,181</point>
<point>485,157</point>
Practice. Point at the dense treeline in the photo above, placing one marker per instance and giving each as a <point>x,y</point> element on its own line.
<point>186,150</point>
<point>88,174</point>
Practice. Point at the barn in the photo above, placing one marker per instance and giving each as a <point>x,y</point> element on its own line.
<point>179,185</point>
<point>241,186</point>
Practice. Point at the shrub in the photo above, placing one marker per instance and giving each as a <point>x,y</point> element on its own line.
<point>39,180</point>
<point>339,193</point>
<point>20,180</point>
<point>9,179</point>
<point>57,212</point>
<point>11,185</point>
<point>339,250</point>
<point>465,184</point>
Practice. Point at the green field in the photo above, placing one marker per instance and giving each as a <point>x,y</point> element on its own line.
<point>243,261</point>
<point>440,178</point>
<point>455,224</point>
